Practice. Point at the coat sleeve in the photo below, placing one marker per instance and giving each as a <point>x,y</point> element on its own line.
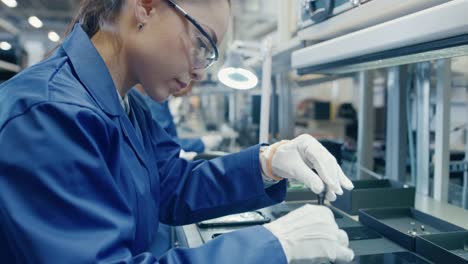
<point>248,245</point>
<point>195,191</point>
<point>59,203</point>
<point>191,144</point>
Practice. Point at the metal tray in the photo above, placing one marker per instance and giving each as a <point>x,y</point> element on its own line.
<point>403,225</point>
<point>444,248</point>
<point>375,194</point>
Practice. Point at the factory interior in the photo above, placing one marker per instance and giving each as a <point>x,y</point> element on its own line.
<point>303,131</point>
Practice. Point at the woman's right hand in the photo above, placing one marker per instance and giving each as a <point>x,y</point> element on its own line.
<point>311,233</point>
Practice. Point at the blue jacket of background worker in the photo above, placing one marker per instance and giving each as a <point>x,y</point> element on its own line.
<point>163,116</point>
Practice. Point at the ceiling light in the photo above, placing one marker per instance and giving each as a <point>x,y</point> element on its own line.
<point>5,45</point>
<point>235,75</point>
<point>53,36</point>
<point>35,22</point>
<point>10,3</point>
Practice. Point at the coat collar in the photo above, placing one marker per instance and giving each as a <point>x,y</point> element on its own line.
<point>92,71</point>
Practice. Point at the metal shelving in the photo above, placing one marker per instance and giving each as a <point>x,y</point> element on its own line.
<point>8,66</point>
<point>436,34</point>
<point>436,28</point>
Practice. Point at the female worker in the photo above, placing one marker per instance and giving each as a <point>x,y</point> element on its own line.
<point>85,174</point>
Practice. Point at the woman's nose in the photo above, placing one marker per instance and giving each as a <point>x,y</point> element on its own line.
<point>197,74</point>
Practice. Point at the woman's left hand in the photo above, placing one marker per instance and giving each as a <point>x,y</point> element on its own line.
<point>307,161</point>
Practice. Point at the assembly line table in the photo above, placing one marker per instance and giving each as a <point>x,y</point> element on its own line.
<point>193,236</point>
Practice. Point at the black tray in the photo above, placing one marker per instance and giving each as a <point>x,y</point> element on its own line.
<point>279,210</point>
<point>375,194</point>
<point>402,225</point>
<point>361,233</point>
<point>387,258</point>
<point>391,258</point>
<point>444,248</point>
<point>300,195</point>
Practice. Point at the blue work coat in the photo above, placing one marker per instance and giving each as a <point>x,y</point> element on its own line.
<point>82,182</point>
<point>163,116</point>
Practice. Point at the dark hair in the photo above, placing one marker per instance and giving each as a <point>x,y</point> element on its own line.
<point>93,13</point>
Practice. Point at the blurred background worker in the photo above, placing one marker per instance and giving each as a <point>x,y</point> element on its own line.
<point>163,116</point>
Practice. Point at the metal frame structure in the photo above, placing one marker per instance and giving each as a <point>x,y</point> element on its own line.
<point>417,28</point>
<point>465,175</point>
<point>9,66</point>
<point>423,93</point>
<point>285,106</point>
<point>366,124</point>
<point>396,137</point>
<point>442,130</point>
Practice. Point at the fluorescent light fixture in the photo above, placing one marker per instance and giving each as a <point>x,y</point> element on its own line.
<point>238,78</point>
<point>53,36</point>
<point>235,75</point>
<point>10,3</point>
<point>5,45</point>
<point>35,22</point>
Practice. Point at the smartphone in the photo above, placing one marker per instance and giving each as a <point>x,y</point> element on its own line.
<point>247,218</point>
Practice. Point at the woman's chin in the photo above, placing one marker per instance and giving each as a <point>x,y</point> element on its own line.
<point>160,96</point>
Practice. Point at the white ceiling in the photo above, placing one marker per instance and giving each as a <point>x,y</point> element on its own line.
<point>54,13</point>
<point>252,18</point>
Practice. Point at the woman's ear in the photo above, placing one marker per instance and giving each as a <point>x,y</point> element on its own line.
<point>143,10</point>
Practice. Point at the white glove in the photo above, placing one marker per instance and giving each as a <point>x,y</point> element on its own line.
<point>228,132</point>
<point>310,233</point>
<point>187,155</point>
<point>211,141</point>
<point>298,158</point>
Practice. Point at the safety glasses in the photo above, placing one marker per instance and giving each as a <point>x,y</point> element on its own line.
<point>205,52</point>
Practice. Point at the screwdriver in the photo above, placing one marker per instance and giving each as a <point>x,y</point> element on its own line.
<point>321,198</point>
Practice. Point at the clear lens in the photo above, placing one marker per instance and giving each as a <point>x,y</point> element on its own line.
<point>203,54</point>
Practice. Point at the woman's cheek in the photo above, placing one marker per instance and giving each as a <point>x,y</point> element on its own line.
<point>185,47</point>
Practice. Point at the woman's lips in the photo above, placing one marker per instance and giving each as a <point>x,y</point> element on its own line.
<point>181,85</point>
